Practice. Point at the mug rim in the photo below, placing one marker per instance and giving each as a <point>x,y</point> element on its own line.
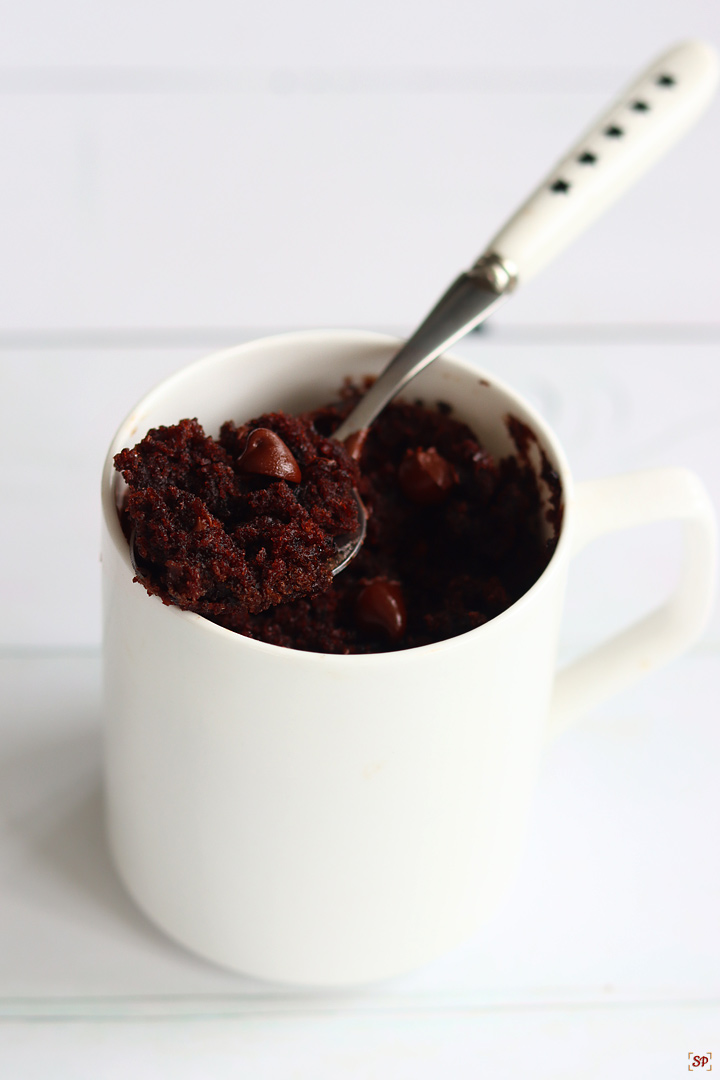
<point>128,428</point>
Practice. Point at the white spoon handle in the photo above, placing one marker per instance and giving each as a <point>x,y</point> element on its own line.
<point>652,113</point>
<point>642,124</point>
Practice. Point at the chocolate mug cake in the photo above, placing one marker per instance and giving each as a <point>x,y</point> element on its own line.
<point>241,529</point>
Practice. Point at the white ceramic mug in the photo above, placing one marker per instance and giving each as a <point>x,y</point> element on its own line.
<point>328,820</point>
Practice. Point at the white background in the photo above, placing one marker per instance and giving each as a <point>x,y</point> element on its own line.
<point>178,177</point>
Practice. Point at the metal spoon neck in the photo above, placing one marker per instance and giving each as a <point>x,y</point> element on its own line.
<point>473,296</point>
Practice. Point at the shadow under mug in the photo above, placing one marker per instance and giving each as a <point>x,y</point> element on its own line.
<point>328,820</point>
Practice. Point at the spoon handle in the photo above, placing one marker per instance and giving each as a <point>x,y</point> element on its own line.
<point>650,115</point>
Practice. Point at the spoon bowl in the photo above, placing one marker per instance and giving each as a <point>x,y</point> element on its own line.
<point>348,545</point>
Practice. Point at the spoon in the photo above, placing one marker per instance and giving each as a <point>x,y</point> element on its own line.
<point>648,117</point>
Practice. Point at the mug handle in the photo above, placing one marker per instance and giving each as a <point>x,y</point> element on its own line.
<point>622,502</point>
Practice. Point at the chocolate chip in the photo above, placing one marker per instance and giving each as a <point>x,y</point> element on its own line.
<point>380,606</point>
<point>265,453</point>
<point>426,477</point>
<point>355,443</point>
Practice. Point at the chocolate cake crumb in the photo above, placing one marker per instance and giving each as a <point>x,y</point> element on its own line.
<point>230,528</point>
<point>454,536</point>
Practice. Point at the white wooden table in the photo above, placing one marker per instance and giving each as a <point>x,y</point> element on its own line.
<point>179,180</point>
